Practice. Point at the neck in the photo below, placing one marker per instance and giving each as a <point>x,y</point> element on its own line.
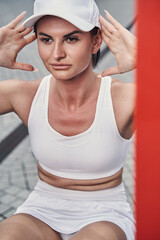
<point>73,93</point>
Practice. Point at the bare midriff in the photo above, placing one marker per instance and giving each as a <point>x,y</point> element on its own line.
<point>80,185</point>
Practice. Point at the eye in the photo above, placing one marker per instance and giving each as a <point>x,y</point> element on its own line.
<point>72,39</point>
<point>46,40</point>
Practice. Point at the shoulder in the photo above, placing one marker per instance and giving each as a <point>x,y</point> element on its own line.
<point>123,94</point>
<point>23,93</point>
<point>123,98</point>
<point>122,90</point>
<point>17,86</point>
<point>22,90</point>
<point>14,93</point>
<point>19,92</point>
<point>23,86</point>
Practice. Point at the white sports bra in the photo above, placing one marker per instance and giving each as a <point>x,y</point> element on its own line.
<point>96,153</point>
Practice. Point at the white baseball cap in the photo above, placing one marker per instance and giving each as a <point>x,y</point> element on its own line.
<point>84,14</point>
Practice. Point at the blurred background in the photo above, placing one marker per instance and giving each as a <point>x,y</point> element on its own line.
<point>18,173</point>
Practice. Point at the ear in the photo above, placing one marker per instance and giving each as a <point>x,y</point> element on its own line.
<point>97,42</point>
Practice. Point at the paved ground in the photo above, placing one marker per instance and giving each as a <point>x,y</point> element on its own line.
<point>18,173</point>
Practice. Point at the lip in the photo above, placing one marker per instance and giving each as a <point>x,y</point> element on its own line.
<point>61,66</point>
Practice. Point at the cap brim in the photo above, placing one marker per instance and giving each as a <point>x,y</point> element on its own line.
<point>76,21</point>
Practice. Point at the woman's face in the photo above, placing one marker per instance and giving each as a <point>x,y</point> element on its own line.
<point>65,50</point>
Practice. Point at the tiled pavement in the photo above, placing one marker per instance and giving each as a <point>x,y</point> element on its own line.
<point>18,173</point>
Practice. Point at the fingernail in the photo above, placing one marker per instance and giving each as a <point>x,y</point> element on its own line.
<point>35,70</point>
<point>100,76</point>
<point>24,12</point>
<point>106,11</point>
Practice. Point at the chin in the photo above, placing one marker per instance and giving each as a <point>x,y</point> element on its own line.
<point>68,74</point>
<point>64,75</point>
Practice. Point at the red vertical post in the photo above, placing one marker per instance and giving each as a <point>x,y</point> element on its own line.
<point>148,121</point>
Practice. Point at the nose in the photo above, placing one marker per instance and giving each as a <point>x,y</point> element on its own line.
<point>58,51</point>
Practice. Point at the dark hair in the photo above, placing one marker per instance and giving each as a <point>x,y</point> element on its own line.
<point>95,57</point>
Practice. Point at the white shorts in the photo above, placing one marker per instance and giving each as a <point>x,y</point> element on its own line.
<point>67,211</point>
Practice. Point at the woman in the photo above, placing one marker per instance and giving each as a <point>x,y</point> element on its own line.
<point>80,124</point>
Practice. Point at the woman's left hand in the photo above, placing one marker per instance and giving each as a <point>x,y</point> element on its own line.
<point>122,44</point>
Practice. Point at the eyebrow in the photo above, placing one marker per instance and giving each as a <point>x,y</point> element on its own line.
<point>70,34</point>
<point>65,36</point>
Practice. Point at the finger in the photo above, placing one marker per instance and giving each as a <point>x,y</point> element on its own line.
<point>26,31</point>
<point>24,66</point>
<point>20,28</point>
<point>115,23</point>
<point>105,38</point>
<point>110,71</point>
<point>17,20</point>
<point>107,25</point>
<point>30,38</point>
<point>106,32</point>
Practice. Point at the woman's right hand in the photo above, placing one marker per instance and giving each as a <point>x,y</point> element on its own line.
<point>13,37</point>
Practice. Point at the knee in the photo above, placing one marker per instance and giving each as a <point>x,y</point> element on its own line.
<point>8,236</point>
<point>6,233</point>
<point>11,230</point>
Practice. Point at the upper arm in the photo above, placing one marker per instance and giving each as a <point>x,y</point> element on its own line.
<point>7,91</point>
<point>128,93</point>
<point>15,95</point>
<point>123,96</point>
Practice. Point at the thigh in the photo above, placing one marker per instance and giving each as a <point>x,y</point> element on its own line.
<point>100,231</point>
<point>25,226</point>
